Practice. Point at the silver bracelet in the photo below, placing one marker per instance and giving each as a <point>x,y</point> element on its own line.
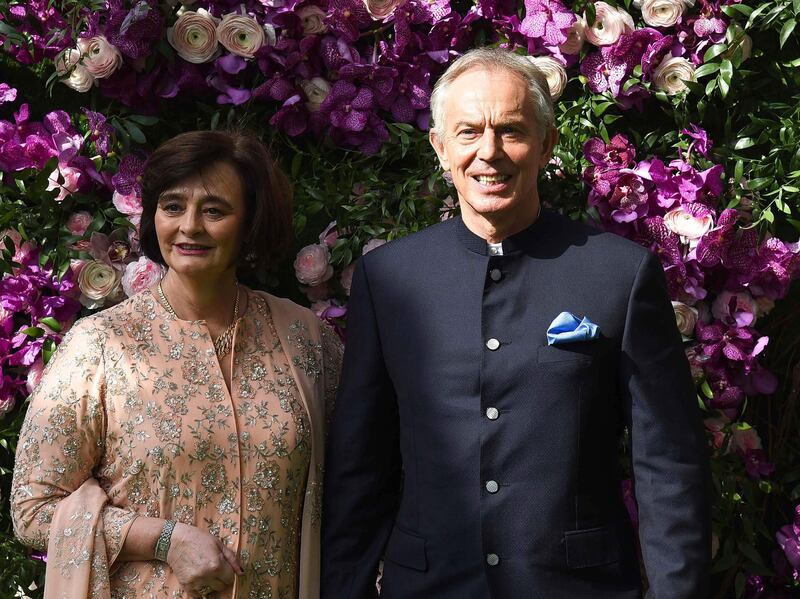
<point>164,539</point>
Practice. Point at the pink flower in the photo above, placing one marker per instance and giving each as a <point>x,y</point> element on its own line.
<point>140,275</point>
<point>609,24</point>
<point>34,374</point>
<point>129,205</point>
<point>735,308</point>
<point>78,222</point>
<point>99,56</point>
<point>98,281</point>
<point>329,235</point>
<point>690,222</point>
<point>716,426</point>
<point>575,38</point>
<point>241,34</point>
<point>312,265</point>
<point>745,438</point>
<point>371,245</point>
<point>66,179</point>
<point>313,19</point>
<point>194,36</point>
<point>381,9</point>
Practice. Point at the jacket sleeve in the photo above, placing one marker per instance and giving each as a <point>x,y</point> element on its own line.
<point>362,474</point>
<point>668,449</point>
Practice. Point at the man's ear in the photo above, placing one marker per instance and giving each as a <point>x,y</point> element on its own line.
<point>439,148</point>
<point>548,143</point>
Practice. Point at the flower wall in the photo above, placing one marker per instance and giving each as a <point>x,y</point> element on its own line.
<point>679,123</point>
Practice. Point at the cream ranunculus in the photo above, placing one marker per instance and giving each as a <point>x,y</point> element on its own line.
<point>313,19</point>
<point>609,24</point>
<point>97,281</point>
<point>575,38</point>
<point>660,13</point>
<point>241,34</point>
<point>316,91</point>
<point>381,9</point>
<point>670,75</point>
<point>313,264</point>
<point>194,36</point>
<point>689,226</point>
<point>554,72</point>
<point>100,57</point>
<point>686,318</point>
<point>74,74</point>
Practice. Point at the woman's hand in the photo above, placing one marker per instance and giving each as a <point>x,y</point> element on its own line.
<point>200,561</point>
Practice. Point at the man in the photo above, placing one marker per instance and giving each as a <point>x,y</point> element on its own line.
<point>508,446</point>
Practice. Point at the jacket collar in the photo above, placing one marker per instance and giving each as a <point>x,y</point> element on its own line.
<point>523,241</point>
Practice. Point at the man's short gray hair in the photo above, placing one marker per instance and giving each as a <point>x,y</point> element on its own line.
<point>494,59</point>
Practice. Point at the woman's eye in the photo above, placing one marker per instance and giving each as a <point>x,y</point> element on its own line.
<point>171,207</point>
<point>213,211</point>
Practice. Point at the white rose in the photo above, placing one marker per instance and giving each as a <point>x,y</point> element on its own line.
<point>575,38</point>
<point>97,282</point>
<point>685,317</point>
<point>74,74</point>
<point>609,24</point>
<point>660,13</point>
<point>688,226</point>
<point>669,76</point>
<point>316,91</point>
<point>194,36</point>
<point>100,58</point>
<point>241,34</point>
<point>313,20</point>
<point>554,72</point>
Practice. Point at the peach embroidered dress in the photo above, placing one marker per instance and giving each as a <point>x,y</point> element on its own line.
<point>133,417</point>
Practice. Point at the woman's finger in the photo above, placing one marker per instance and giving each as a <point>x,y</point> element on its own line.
<point>231,558</point>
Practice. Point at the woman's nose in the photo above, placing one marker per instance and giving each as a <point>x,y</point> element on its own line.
<point>191,222</point>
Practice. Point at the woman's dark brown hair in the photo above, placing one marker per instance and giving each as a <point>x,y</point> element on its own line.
<point>267,194</point>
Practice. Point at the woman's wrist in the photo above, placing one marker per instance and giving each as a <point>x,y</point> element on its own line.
<point>164,541</point>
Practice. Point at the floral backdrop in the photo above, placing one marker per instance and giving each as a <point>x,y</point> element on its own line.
<point>679,124</point>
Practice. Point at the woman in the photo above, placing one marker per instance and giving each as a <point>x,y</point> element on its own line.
<point>174,447</point>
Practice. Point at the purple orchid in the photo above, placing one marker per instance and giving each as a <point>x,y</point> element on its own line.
<point>100,131</point>
<point>788,538</point>
<point>348,106</point>
<point>700,141</point>
<point>756,464</point>
<point>134,31</point>
<point>548,20</point>
<point>128,179</point>
<point>629,199</point>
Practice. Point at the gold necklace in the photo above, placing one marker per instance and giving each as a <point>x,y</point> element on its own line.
<point>222,344</point>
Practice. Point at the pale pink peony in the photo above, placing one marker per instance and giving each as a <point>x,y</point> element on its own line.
<point>66,179</point>
<point>346,278</point>
<point>194,36</point>
<point>241,34</point>
<point>744,438</point>
<point>312,265</point>
<point>371,245</point>
<point>141,275</point>
<point>686,318</point>
<point>660,13</point>
<point>34,374</point>
<point>78,222</point>
<point>688,226</point>
<point>129,205</point>
<point>316,90</point>
<point>313,19</point>
<point>381,9</point>
<point>671,73</point>
<point>575,38</point>
<point>609,24</point>
<point>72,72</point>
<point>98,281</point>
<point>99,56</point>
<point>554,72</point>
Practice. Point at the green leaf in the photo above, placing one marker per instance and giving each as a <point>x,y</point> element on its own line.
<point>34,332</point>
<point>135,132</point>
<point>786,30</point>
<point>706,389</point>
<point>144,120</point>
<point>742,9</point>
<point>738,170</point>
<point>48,349</point>
<point>744,142</point>
<point>714,51</point>
<point>51,322</point>
<point>706,69</point>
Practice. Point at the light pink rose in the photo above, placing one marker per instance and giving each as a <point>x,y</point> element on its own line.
<point>575,38</point>
<point>194,36</point>
<point>346,278</point>
<point>671,73</point>
<point>554,72</point>
<point>241,34</point>
<point>34,374</point>
<point>716,426</point>
<point>609,24</point>
<point>660,13</point>
<point>371,245</point>
<point>316,90</point>
<point>76,266</point>
<point>99,56</point>
<point>140,275</point>
<point>313,19</point>
<point>129,205</point>
<point>381,9</point>
<point>66,179</point>
<point>72,71</point>
<point>98,281</point>
<point>688,226</point>
<point>735,308</point>
<point>686,318</point>
<point>329,235</point>
<point>312,265</point>
<point>744,438</point>
<point>78,222</point>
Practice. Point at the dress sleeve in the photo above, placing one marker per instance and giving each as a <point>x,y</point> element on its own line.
<point>332,351</point>
<point>56,503</point>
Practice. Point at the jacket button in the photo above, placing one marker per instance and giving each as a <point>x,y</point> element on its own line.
<point>492,486</point>
<point>492,413</point>
<point>492,559</point>
<point>495,274</point>
<point>493,344</point>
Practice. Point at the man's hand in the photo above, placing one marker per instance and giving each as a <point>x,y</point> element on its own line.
<point>200,561</point>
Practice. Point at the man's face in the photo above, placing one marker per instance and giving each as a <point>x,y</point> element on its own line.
<point>491,146</point>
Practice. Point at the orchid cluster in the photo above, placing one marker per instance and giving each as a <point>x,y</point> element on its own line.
<point>344,68</point>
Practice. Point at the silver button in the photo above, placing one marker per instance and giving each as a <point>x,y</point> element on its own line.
<point>492,559</point>
<point>493,344</point>
<point>494,251</point>
<point>492,486</point>
<point>495,274</point>
<point>492,413</point>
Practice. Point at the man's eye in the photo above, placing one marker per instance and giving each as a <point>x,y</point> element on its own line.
<point>467,133</point>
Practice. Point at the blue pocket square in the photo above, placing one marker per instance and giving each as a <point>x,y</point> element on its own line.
<point>566,328</point>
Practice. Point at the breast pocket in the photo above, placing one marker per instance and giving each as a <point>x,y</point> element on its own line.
<point>407,550</point>
<point>577,353</point>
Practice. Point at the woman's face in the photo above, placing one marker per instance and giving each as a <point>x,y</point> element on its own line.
<point>199,222</point>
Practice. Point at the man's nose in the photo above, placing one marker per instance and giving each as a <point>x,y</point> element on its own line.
<point>490,146</point>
